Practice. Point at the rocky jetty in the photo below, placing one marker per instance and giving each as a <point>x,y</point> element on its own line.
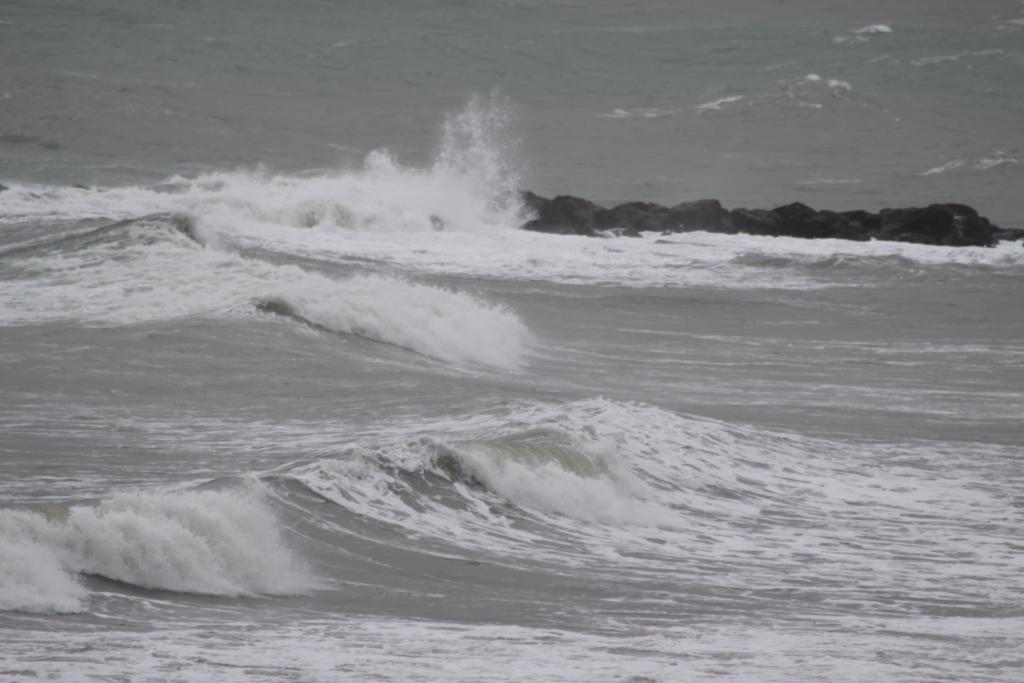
<point>954,225</point>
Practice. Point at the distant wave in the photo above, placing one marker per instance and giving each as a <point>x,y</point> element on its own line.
<point>863,34</point>
<point>716,105</point>
<point>943,59</point>
<point>640,113</point>
<point>998,159</point>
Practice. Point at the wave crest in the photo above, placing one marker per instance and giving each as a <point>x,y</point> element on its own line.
<point>436,322</point>
<point>209,542</point>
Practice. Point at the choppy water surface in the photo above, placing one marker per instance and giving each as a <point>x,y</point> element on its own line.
<point>287,396</point>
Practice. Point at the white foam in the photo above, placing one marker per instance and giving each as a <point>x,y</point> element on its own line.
<point>833,83</point>
<point>948,166</point>
<point>716,105</point>
<point>998,159</point>
<point>941,59</point>
<point>833,181</point>
<point>362,648</point>
<point>638,113</point>
<point>32,574</point>
<point>994,162</point>
<point>874,29</point>
<point>598,489</point>
<point>222,543</point>
<point>863,34</point>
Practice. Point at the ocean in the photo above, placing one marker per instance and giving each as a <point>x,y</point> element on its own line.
<point>286,395</point>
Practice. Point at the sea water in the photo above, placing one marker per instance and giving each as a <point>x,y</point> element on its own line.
<point>286,395</point>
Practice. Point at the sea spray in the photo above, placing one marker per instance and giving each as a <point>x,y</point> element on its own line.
<point>480,148</point>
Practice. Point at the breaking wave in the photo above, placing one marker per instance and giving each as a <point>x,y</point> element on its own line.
<point>211,246</point>
<point>435,322</point>
<point>600,485</point>
<point>208,542</point>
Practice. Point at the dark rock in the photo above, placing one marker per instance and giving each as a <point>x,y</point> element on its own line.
<point>632,217</point>
<point>862,222</point>
<point>955,225</point>
<point>533,203</point>
<point>845,227</point>
<point>563,215</point>
<point>703,214</point>
<point>4,188</point>
<point>795,211</point>
<point>940,224</point>
<point>755,221</point>
<point>1007,234</point>
<point>800,220</point>
<point>970,231</point>
<point>928,225</point>
<point>959,210</point>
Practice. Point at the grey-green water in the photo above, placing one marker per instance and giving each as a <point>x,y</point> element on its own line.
<point>261,420</point>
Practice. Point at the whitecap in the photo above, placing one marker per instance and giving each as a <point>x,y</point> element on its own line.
<point>716,105</point>
<point>863,34</point>
<point>433,321</point>
<point>874,29</point>
<point>940,59</point>
<point>986,164</point>
<point>638,113</point>
<point>943,168</point>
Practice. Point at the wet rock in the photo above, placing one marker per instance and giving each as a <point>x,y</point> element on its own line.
<point>928,225</point>
<point>800,220</point>
<point>563,215</point>
<point>532,203</point>
<point>755,221</point>
<point>946,224</point>
<point>1007,234</point>
<point>703,214</point>
<point>971,231</point>
<point>955,225</point>
<point>864,224</point>
<point>633,217</point>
